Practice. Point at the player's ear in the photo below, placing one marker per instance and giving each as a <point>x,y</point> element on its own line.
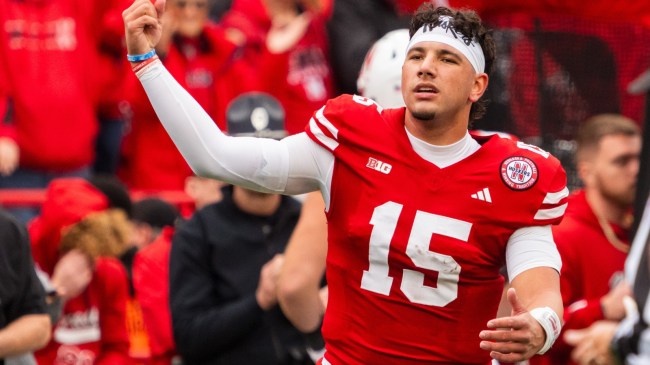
<point>479,87</point>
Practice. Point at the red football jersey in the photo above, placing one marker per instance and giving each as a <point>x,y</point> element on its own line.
<point>415,250</point>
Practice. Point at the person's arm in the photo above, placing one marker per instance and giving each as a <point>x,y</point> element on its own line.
<point>627,342</point>
<point>533,265</point>
<point>112,312</point>
<point>259,164</point>
<point>9,150</point>
<point>27,333</point>
<point>304,266</point>
<point>28,325</point>
<point>535,299</point>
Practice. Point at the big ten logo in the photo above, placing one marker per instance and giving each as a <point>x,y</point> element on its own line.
<point>377,165</point>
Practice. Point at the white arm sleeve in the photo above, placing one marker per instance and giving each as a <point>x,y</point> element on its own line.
<point>294,165</point>
<point>531,247</point>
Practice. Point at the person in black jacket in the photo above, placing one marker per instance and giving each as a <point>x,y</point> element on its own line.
<point>24,323</point>
<point>224,263</point>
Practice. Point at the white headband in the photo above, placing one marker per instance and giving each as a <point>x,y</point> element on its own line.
<point>447,34</point>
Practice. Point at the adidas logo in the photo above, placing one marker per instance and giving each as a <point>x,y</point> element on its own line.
<point>483,195</point>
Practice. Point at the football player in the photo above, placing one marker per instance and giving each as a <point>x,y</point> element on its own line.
<point>421,215</point>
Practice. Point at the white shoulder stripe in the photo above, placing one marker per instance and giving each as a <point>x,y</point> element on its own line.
<point>554,198</point>
<point>322,137</point>
<point>326,123</point>
<point>551,213</point>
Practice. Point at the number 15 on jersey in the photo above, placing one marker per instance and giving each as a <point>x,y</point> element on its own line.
<point>376,279</point>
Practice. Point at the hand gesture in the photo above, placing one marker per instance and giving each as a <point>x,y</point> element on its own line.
<point>612,302</point>
<point>266,293</point>
<point>9,156</point>
<point>515,338</point>
<point>592,343</point>
<point>143,25</point>
<point>72,274</point>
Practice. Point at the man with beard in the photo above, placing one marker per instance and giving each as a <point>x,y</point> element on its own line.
<point>421,214</point>
<point>593,237</point>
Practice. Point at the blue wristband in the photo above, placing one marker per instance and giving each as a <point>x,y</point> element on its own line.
<point>141,57</point>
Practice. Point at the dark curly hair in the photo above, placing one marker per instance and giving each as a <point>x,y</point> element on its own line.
<point>470,24</point>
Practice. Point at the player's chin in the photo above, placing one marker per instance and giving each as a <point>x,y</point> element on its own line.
<point>424,114</point>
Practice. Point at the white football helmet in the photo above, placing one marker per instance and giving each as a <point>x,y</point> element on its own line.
<point>380,78</point>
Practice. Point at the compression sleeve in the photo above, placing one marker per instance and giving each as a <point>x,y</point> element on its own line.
<point>294,165</point>
<point>531,247</point>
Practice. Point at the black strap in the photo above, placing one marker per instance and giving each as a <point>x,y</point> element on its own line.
<point>642,280</point>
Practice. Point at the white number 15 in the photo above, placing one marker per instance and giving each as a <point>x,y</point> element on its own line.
<point>376,278</point>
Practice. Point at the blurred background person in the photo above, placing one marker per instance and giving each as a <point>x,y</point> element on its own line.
<point>224,264</point>
<point>626,342</point>
<point>288,50</point>
<point>296,64</point>
<point>206,59</point>
<point>202,191</point>
<point>51,88</point>
<point>82,229</point>
<point>25,325</point>
<point>353,28</point>
<point>593,237</point>
<point>154,220</point>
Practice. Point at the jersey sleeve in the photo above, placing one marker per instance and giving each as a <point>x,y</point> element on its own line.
<point>552,208</point>
<point>328,125</point>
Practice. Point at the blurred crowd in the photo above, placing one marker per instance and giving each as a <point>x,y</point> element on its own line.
<point>75,121</point>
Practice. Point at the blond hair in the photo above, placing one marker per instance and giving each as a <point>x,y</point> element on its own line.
<point>104,233</point>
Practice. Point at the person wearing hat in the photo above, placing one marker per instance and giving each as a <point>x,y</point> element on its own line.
<point>224,263</point>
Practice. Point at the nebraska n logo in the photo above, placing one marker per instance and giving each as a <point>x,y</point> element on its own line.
<point>483,195</point>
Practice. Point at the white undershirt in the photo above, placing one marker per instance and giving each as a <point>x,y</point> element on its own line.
<point>443,156</point>
<point>297,164</point>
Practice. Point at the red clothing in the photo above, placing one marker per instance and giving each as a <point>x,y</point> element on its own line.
<point>208,68</point>
<point>151,282</point>
<point>92,328</point>
<point>606,44</point>
<point>300,78</point>
<point>414,250</point>
<point>589,261</point>
<point>67,201</point>
<point>112,68</point>
<point>50,51</point>
<point>632,10</point>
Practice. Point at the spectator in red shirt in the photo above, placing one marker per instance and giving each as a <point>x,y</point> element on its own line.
<point>154,219</point>
<point>593,237</point>
<point>49,94</point>
<point>292,56</point>
<point>203,56</point>
<point>76,227</point>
